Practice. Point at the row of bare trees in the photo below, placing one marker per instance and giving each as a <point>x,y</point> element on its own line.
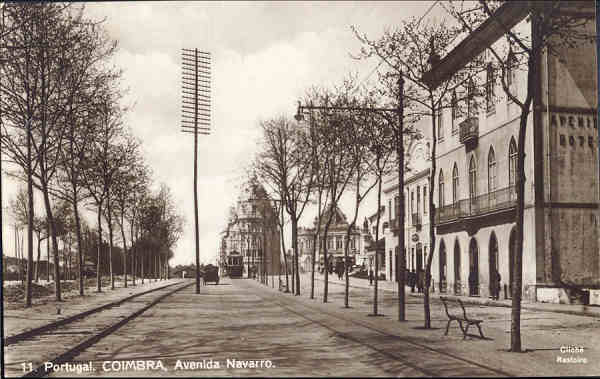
<point>63,133</point>
<point>347,146</point>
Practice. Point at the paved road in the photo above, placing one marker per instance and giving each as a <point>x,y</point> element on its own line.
<point>241,328</point>
<point>241,323</point>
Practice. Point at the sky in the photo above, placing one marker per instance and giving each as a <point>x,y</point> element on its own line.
<point>264,56</point>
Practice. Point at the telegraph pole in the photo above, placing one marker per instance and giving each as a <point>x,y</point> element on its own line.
<point>195,116</point>
<point>400,156</point>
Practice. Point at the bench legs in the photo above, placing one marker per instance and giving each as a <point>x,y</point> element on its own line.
<point>480,332</point>
<point>465,329</point>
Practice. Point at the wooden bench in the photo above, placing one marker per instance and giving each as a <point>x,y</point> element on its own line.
<point>460,318</point>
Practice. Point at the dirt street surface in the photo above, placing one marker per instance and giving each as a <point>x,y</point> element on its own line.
<point>242,328</point>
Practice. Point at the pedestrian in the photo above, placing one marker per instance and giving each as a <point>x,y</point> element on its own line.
<point>495,284</point>
<point>420,280</point>
<point>370,276</point>
<point>472,283</point>
<point>412,280</point>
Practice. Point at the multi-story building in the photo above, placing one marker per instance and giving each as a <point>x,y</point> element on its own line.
<point>253,232</point>
<point>373,247</point>
<point>336,236</point>
<point>476,170</point>
<point>416,223</point>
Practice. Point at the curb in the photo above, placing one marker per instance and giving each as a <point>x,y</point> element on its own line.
<point>595,312</point>
<point>40,329</point>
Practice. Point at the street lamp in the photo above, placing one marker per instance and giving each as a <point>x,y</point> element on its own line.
<point>399,111</point>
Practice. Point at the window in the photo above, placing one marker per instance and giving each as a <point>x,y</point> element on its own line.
<point>491,170</point>
<point>440,125</point>
<point>489,88</point>
<point>454,113</point>
<point>471,101</point>
<point>441,189</point>
<point>424,200</point>
<point>338,244</point>
<point>455,184</point>
<point>512,162</point>
<point>330,242</point>
<point>353,243</point>
<point>418,198</point>
<point>511,71</point>
<point>396,206</point>
<point>472,178</point>
<point>390,210</point>
<point>412,201</point>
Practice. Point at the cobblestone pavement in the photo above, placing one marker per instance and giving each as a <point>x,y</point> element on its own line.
<point>241,322</point>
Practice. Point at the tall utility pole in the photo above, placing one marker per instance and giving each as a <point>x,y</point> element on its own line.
<point>195,116</point>
<point>401,262</point>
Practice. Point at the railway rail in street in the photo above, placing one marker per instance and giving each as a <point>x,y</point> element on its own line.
<point>29,354</point>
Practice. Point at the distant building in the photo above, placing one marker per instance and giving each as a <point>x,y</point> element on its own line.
<point>336,237</point>
<point>253,233</point>
<point>416,201</point>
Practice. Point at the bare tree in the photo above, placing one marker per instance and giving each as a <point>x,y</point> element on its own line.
<point>282,164</point>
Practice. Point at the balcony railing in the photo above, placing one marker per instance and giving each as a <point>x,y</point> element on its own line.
<point>469,131</point>
<point>482,204</point>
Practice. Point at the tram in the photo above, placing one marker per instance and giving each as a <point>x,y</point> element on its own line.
<point>235,264</point>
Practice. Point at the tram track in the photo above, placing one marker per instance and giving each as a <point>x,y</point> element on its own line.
<point>431,361</point>
<point>62,341</point>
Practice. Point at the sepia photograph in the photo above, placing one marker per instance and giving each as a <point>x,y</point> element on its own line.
<point>300,188</point>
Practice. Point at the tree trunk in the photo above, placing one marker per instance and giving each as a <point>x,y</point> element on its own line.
<point>432,211</point>
<point>295,247</point>
<point>54,241</point>
<point>28,292</point>
<point>110,243</point>
<point>39,256</point>
<point>287,280</point>
<point>124,251</point>
<point>98,265</point>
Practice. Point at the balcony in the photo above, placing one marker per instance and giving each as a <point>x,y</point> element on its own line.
<point>476,208</point>
<point>417,221</point>
<point>469,132</point>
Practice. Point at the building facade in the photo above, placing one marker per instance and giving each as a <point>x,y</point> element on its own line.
<point>416,223</point>
<point>475,181</point>
<point>336,237</point>
<point>253,233</point>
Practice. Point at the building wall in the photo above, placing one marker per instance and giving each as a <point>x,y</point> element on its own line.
<point>569,121</point>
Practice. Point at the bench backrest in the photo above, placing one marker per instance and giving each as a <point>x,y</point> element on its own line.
<point>446,300</point>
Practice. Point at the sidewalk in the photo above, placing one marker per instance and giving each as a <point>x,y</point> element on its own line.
<point>573,309</point>
<point>546,336</point>
<point>17,321</point>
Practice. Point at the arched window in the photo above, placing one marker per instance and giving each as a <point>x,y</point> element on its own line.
<point>455,184</point>
<point>454,113</point>
<point>492,182</point>
<point>440,125</point>
<point>489,88</point>
<point>512,162</point>
<point>472,178</point>
<point>441,189</point>
<point>471,101</point>
<point>511,70</point>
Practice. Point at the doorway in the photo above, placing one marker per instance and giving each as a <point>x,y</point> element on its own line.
<point>473,268</point>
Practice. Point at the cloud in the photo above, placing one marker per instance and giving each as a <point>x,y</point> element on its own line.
<point>264,56</point>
